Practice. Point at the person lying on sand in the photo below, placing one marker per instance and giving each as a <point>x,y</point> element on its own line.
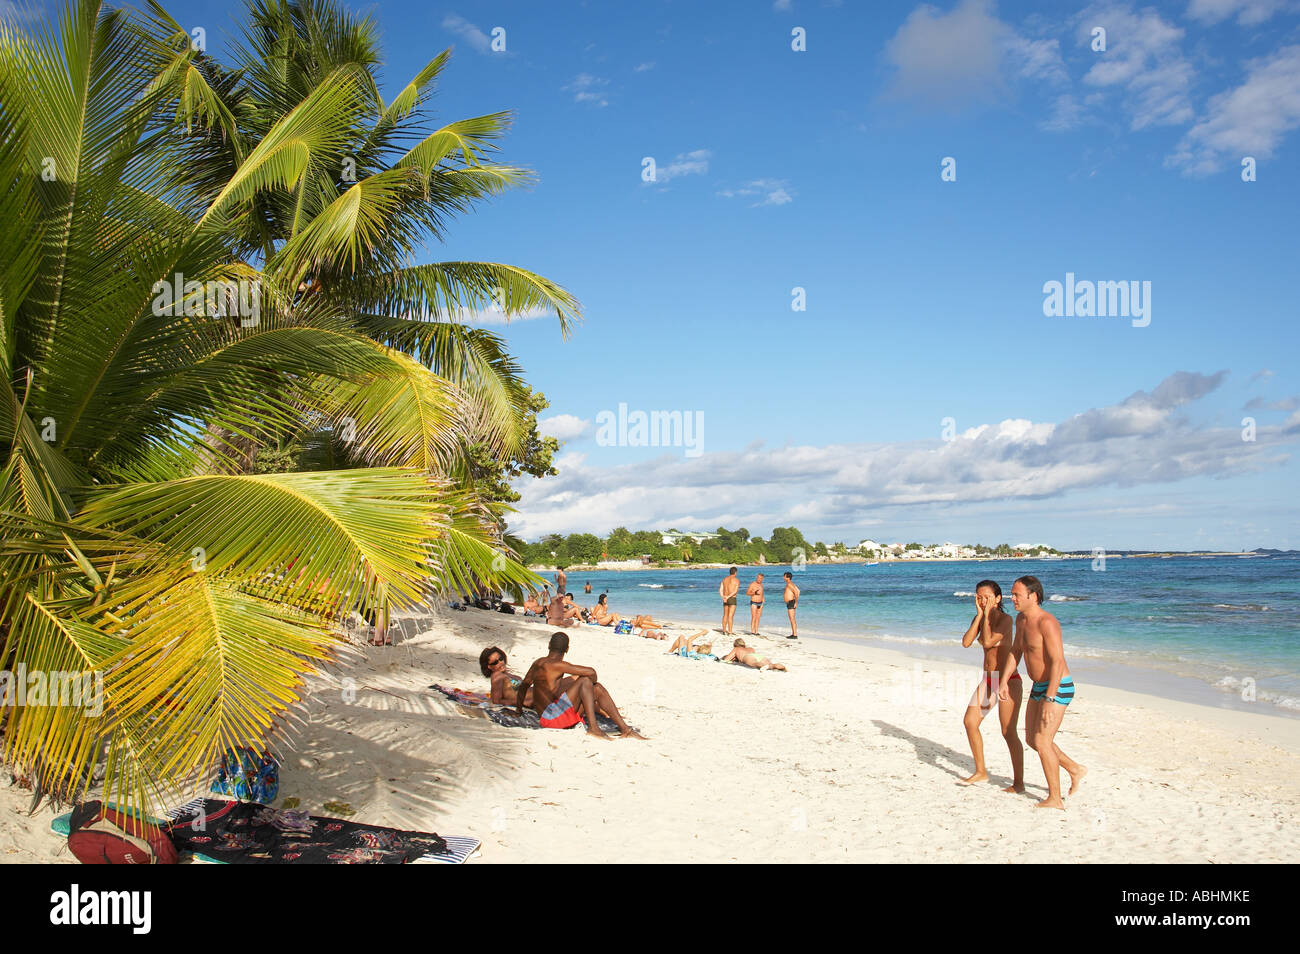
<point>492,661</point>
<point>745,654</point>
<point>685,643</point>
<point>565,694</point>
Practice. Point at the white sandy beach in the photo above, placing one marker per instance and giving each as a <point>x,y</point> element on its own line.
<point>851,756</point>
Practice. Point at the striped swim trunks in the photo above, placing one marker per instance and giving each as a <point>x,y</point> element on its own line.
<point>560,714</point>
<point>1064,692</point>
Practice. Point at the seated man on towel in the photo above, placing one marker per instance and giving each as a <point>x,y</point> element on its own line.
<point>745,654</point>
<point>532,607</point>
<point>492,661</point>
<point>565,694</point>
<point>558,614</point>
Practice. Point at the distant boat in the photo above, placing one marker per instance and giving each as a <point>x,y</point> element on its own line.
<point>877,563</point>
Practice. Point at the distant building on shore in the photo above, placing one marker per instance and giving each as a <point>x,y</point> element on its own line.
<point>675,538</point>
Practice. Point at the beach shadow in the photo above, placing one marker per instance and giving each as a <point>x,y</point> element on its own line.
<point>931,752</point>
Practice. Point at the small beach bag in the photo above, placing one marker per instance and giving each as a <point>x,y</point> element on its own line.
<point>623,627</point>
<point>102,834</point>
<point>247,776</point>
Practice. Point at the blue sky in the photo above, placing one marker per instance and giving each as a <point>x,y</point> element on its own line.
<point>820,169</point>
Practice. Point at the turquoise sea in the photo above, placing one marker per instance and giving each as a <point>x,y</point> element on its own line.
<point>1193,628</point>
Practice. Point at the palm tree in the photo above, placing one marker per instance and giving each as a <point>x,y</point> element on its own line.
<point>183,278</point>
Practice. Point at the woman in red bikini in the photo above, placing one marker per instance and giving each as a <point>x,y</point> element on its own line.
<point>993,629</point>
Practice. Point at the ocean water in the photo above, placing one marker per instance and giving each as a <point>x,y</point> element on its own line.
<point>1214,630</point>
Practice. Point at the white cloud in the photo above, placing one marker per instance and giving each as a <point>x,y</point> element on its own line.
<point>467,31</point>
<point>763,191</point>
<point>566,427</point>
<point>782,6</point>
<point>643,67</point>
<point>1145,439</point>
<point>966,55</point>
<point>1247,121</point>
<point>588,89</point>
<point>692,163</point>
<point>1248,12</point>
<point>1143,59</point>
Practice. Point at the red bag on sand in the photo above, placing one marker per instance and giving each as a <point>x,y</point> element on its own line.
<point>107,835</point>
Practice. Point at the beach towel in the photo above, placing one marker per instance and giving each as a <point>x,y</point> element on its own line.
<point>247,776</point>
<point>223,832</point>
<point>694,655</point>
<point>479,704</point>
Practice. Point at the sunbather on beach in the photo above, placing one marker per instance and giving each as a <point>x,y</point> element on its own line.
<point>557,614</point>
<point>532,606</point>
<point>565,693</point>
<point>1038,639</point>
<point>684,642</point>
<point>492,661</point>
<point>993,628</point>
<point>746,654</point>
<point>603,614</point>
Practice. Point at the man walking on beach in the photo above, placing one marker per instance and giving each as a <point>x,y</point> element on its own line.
<point>755,594</point>
<point>791,597</point>
<point>1038,639</point>
<point>565,694</point>
<point>728,589</point>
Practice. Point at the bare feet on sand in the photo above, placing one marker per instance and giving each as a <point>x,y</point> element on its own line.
<point>1076,779</point>
<point>1015,789</point>
<point>971,780</point>
<point>633,734</point>
<point>1049,803</point>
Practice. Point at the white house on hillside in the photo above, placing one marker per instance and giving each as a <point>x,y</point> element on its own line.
<point>674,538</point>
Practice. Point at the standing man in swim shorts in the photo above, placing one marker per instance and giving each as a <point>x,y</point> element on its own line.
<point>561,581</point>
<point>1038,639</point>
<point>565,694</point>
<point>791,603</point>
<point>755,594</point>
<point>728,589</point>
<point>992,627</point>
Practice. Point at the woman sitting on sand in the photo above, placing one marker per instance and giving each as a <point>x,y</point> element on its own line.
<point>602,614</point>
<point>745,654</point>
<point>492,661</point>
